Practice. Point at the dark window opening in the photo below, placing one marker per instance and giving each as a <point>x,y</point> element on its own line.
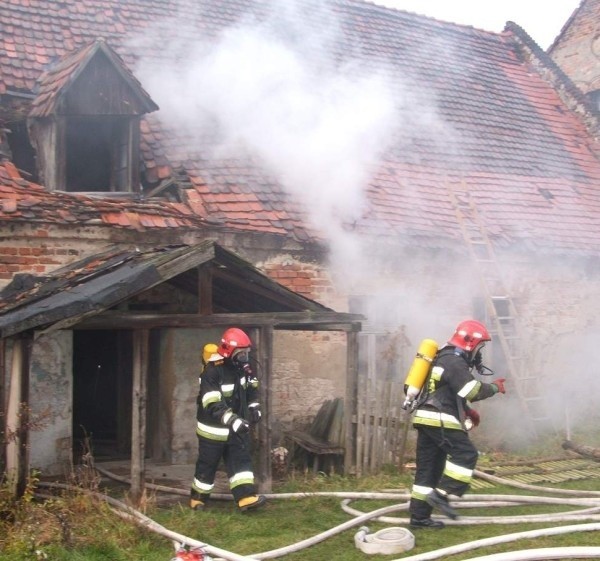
<point>97,154</point>
<point>102,382</point>
<point>22,153</point>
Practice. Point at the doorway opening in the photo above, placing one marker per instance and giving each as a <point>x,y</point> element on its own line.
<point>102,386</point>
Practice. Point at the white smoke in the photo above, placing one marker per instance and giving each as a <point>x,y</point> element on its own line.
<point>274,90</point>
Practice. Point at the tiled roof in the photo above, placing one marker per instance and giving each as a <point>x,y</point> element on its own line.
<point>55,81</point>
<point>21,200</point>
<point>528,160</point>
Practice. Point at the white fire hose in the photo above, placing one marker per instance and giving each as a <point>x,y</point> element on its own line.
<point>543,554</point>
<point>388,541</point>
<point>590,513</point>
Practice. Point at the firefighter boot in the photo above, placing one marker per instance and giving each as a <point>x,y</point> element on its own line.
<point>198,502</point>
<point>251,502</point>
<point>426,523</point>
<point>437,500</point>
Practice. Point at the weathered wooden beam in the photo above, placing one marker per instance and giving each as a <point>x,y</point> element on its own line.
<point>3,397</point>
<point>205,290</point>
<point>310,321</point>
<point>350,400</point>
<point>17,418</point>
<point>582,449</point>
<point>265,352</point>
<point>138,414</point>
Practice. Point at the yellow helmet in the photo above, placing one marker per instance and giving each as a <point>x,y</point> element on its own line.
<point>210,353</point>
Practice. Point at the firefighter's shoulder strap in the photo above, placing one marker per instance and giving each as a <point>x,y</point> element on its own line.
<point>428,386</point>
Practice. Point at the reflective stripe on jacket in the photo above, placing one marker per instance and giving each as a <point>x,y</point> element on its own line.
<point>221,397</point>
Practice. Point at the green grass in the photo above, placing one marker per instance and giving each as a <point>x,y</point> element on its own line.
<point>73,527</point>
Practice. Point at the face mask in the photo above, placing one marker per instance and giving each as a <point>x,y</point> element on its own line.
<point>241,356</point>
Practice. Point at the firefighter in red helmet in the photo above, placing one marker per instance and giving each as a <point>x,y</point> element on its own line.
<point>446,457</point>
<point>227,407</point>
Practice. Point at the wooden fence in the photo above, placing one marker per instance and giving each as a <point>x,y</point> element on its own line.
<point>382,426</point>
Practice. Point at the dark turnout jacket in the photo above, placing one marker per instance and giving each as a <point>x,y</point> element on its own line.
<point>450,388</point>
<point>226,391</point>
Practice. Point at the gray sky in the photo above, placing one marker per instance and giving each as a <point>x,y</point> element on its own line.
<point>541,19</point>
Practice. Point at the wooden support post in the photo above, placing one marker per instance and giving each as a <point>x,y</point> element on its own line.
<point>205,290</point>
<point>17,418</point>
<point>3,403</point>
<point>138,413</point>
<point>264,476</point>
<point>350,399</point>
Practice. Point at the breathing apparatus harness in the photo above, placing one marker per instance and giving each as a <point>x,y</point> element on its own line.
<point>428,397</point>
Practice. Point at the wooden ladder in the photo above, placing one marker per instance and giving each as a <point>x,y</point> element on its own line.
<point>500,308</point>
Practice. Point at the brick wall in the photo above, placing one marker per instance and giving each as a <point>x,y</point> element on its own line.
<point>308,279</point>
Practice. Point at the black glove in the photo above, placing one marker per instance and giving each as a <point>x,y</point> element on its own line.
<point>254,413</point>
<point>240,426</point>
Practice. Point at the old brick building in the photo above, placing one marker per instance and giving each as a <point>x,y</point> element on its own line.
<point>361,156</point>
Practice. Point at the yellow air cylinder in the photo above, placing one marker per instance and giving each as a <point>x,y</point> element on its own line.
<point>419,369</point>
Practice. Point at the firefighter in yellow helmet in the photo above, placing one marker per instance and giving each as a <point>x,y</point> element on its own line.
<point>210,352</point>
<point>446,457</point>
<point>228,406</point>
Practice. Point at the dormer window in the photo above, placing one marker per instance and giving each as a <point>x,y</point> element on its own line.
<point>85,123</point>
<point>99,154</point>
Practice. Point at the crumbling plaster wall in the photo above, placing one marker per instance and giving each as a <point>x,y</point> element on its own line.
<point>50,394</point>
<point>180,364</point>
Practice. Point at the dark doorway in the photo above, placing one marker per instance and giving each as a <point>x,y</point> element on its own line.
<point>102,377</point>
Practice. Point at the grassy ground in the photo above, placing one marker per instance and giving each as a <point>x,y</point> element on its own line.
<point>75,527</point>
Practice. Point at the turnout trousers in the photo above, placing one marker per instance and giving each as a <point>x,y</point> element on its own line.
<point>446,459</point>
<point>236,454</point>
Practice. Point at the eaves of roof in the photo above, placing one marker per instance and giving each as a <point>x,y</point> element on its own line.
<point>99,282</point>
<point>26,202</point>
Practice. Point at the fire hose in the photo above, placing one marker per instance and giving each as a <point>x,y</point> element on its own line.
<point>380,515</point>
<point>388,541</point>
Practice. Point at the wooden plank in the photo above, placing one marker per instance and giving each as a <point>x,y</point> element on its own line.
<point>385,424</point>
<point>12,415</point>
<point>350,401</point>
<point>3,396</point>
<point>368,426</point>
<point>360,424</point>
<point>263,339</point>
<point>205,293</point>
<point>138,414</point>
<point>377,411</point>
<point>283,320</point>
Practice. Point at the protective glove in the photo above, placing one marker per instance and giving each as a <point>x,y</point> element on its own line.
<point>254,413</point>
<point>240,426</point>
<point>474,416</point>
<point>499,383</point>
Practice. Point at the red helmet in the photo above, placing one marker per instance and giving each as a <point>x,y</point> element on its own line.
<point>233,339</point>
<point>468,334</point>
